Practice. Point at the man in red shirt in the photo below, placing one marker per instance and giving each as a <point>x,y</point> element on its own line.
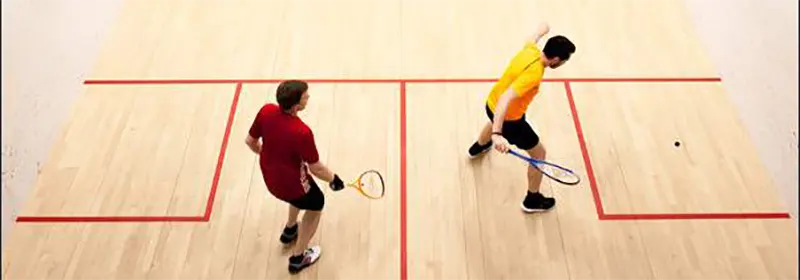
<point>287,156</point>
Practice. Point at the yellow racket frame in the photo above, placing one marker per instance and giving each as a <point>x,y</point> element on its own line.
<point>356,184</point>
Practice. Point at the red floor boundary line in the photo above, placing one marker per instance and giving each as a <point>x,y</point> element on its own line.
<point>410,80</point>
<point>598,203</point>
<point>641,80</point>
<point>659,216</point>
<point>223,147</point>
<point>403,252</point>
<point>128,219</point>
<point>696,216</point>
<point>109,219</point>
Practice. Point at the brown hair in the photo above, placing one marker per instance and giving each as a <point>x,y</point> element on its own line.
<point>289,93</point>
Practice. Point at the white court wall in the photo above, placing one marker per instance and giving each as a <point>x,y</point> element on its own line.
<point>50,45</point>
<point>753,44</point>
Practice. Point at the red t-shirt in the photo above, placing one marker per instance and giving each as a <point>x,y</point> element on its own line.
<point>287,147</point>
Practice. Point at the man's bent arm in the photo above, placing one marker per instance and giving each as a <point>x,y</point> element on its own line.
<point>500,110</point>
<point>544,28</point>
<point>319,170</point>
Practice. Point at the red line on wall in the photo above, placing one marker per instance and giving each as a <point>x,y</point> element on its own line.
<point>403,181</point>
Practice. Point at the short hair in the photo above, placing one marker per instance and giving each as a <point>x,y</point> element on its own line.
<point>289,93</point>
<point>559,46</point>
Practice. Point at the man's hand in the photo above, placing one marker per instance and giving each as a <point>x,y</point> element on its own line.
<point>321,171</point>
<point>543,29</point>
<point>337,183</point>
<point>500,143</point>
<point>253,144</point>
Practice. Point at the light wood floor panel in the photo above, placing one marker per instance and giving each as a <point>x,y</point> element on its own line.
<point>198,39</point>
<point>739,249</point>
<point>444,39</point>
<point>630,131</point>
<point>81,251</point>
<point>124,152</point>
<point>152,149</point>
<point>393,39</point>
<point>339,39</point>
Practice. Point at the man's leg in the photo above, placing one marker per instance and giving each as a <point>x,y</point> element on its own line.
<point>486,134</point>
<point>484,143</point>
<point>292,219</point>
<point>290,230</point>
<point>534,176</point>
<point>535,201</point>
<point>303,255</point>
<point>522,135</point>
<point>300,254</point>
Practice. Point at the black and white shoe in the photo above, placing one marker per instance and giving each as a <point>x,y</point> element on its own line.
<point>477,150</point>
<point>309,257</point>
<point>536,202</point>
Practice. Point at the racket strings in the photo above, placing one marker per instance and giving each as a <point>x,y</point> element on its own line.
<point>371,184</point>
<point>550,169</point>
<point>558,173</point>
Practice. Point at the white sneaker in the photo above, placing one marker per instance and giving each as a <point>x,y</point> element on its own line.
<point>310,256</point>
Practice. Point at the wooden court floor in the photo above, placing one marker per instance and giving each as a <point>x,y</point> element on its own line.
<point>151,178</point>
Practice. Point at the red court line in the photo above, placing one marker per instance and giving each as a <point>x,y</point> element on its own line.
<point>641,80</point>
<point>128,219</point>
<point>410,80</point>
<point>696,216</point>
<point>660,216</point>
<point>598,203</point>
<point>108,219</point>
<point>403,253</point>
<point>222,149</point>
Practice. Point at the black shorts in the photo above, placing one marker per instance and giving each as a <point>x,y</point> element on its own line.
<point>314,200</point>
<point>517,132</point>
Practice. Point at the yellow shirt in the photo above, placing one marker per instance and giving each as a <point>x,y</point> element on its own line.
<point>524,74</point>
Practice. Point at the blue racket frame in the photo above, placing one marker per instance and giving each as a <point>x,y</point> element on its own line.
<point>576,179</point>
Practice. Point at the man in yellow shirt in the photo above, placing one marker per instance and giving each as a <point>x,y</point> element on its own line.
<point>508,101</point>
